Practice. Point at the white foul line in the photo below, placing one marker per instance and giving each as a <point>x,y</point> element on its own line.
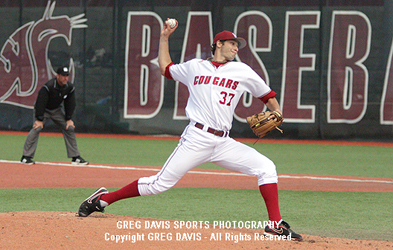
<point>211,173</point>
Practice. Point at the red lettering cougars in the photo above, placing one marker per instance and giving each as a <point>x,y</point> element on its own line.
<point>222,82</point>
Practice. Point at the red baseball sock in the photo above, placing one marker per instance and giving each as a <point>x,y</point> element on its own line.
<point>131,190</point>
<point>270,195</point>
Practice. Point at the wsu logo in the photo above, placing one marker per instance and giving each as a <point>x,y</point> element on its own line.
<point>24,62</point>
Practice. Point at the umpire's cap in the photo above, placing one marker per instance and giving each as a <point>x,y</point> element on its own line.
<point>227,35</point>
<point>63,70</point>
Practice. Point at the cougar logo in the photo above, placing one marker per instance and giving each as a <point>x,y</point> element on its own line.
<point>24,62</point>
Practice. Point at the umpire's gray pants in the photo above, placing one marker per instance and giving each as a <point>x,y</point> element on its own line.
<point>58,118</point>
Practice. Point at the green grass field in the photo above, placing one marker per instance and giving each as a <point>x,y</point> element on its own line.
<point>337,214</point>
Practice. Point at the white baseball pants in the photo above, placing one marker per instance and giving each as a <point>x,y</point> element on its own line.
<point>197,147</point>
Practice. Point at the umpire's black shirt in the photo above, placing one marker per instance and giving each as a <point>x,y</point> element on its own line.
<point>51,95</point>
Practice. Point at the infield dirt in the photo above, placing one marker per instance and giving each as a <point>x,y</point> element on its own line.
<point>63,230</point>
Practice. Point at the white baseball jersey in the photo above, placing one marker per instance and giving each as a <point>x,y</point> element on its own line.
<point>215,92</point>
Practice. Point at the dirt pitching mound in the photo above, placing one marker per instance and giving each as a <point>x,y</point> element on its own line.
<point>64,230</point>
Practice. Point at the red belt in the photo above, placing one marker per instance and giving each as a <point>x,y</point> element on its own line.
<point>212,131</point>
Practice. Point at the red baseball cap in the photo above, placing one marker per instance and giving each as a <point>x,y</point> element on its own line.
<point>227,35</point>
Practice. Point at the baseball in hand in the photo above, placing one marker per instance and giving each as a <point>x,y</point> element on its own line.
<point>172,23</point>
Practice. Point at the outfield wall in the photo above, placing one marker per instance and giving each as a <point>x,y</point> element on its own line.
<point>329,62</point>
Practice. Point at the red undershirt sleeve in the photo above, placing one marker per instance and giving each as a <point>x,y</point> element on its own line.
<point>269,95</point>
<point>167,73</point>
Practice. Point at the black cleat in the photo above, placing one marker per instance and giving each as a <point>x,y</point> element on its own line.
<point>79,161</point>
<point>92,204</point>
<point>283,230</point>
<point>27,160</point>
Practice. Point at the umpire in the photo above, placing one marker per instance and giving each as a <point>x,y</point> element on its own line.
<point>48,105</point>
